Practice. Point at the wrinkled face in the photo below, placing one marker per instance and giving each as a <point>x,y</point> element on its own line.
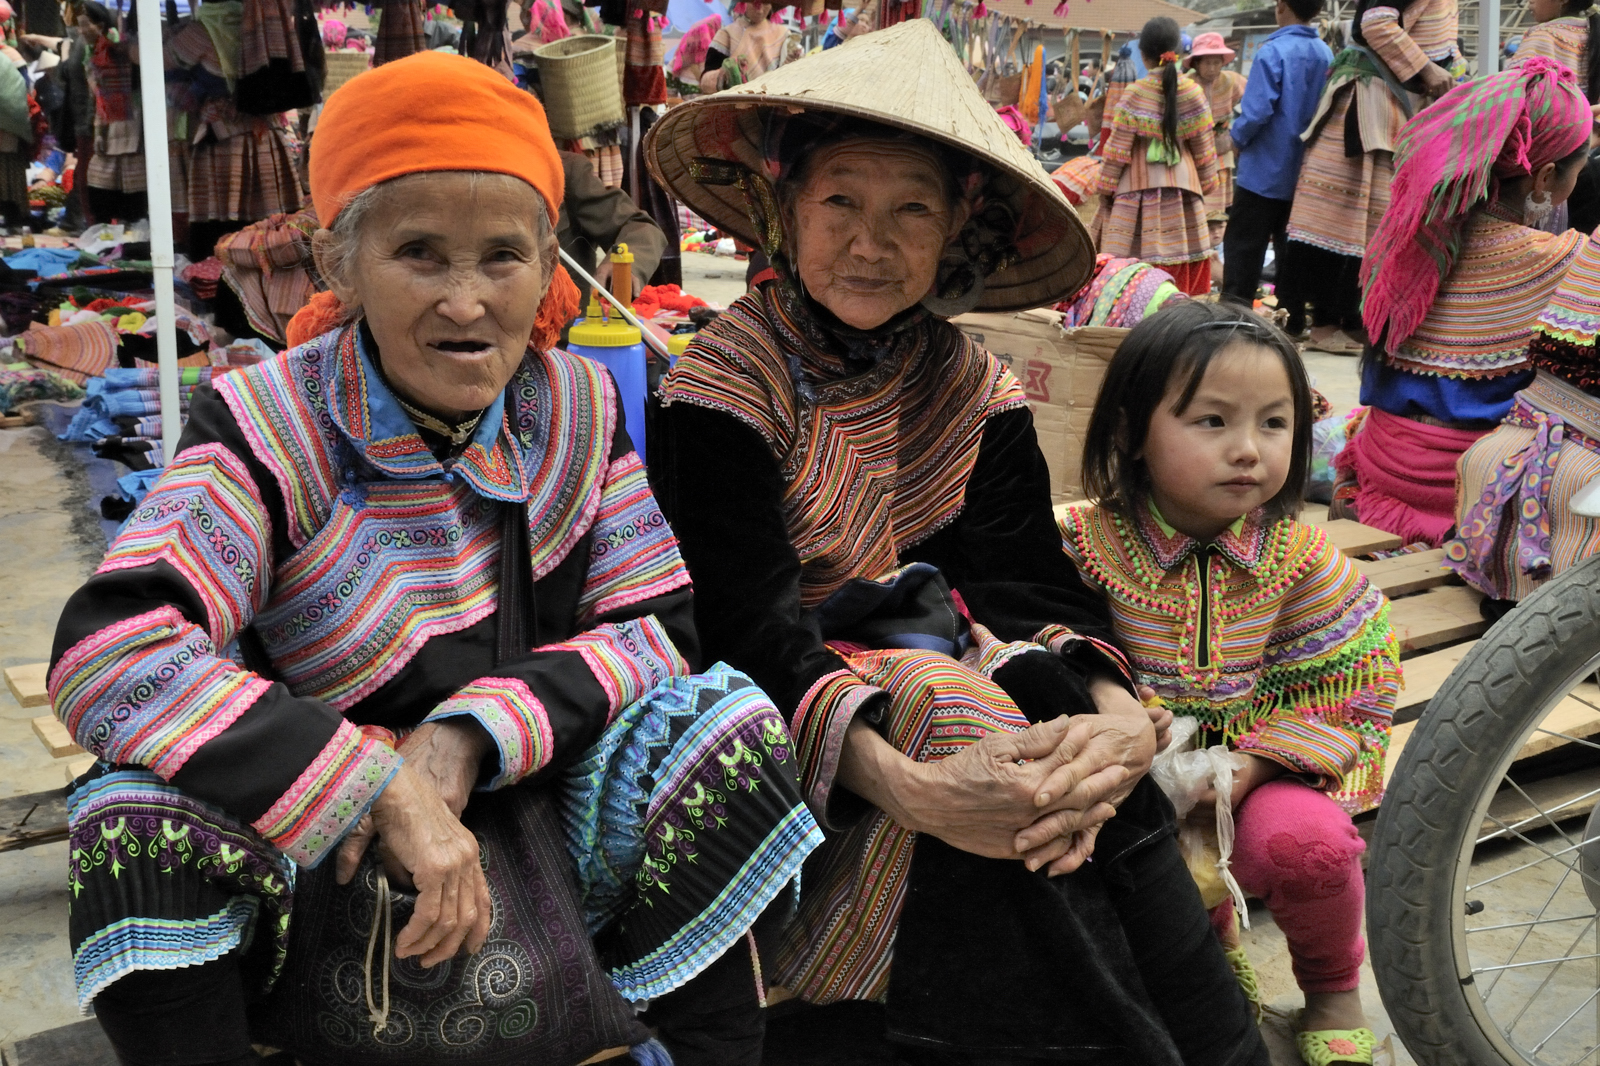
<point>448,273</point>
<point>1208,67</point>
<point>868,226</point>
<point>1229,451</point>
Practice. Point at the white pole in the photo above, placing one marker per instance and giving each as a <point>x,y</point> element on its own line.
<point>1488,37</point>
<point>158,186</point>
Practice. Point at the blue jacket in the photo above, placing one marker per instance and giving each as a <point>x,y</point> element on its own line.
<point>1279,102</point>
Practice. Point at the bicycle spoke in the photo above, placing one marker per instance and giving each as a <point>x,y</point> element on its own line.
<point>1551,976</point>
<point>1537,962</point>
<point>1542,813</point>
<point>1536,921</point>
<point>1590,999</point>
<point>1554,891</point>
<point>1568,737</point>
<point>1554,856</point>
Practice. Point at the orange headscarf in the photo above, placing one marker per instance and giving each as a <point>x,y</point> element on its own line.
<point>429,112</point>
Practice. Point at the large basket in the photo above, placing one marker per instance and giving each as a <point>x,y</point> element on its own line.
<point>342,66</point>
<point>582,96</point>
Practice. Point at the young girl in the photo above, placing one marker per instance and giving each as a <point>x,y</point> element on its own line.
<point>1160,164</point>
<point>1242,617</point>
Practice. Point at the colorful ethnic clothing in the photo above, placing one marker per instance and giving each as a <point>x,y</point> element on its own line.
<point>310,580</point>
<point>802,455</point>
<point>1121,293</point>
<point>1564,39</point>
<point>1223,95</point>
<point>1159,206</point>
<point>1515,530</point>
<point>1268,635</point>
<point>1482,318</point>
<point>1349,162</point>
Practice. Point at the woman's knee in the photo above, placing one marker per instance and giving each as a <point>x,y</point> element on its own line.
<point>1293,843</point>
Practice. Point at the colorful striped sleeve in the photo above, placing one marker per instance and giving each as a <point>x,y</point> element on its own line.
<point>633,555</point>
<point>1328,687</point>
<point>1386,36</point>
<point>146,672</point>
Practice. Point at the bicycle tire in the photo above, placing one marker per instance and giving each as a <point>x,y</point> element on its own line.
<point>1472,729</point>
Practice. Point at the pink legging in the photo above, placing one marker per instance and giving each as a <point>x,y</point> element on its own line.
<point>1297,850</point>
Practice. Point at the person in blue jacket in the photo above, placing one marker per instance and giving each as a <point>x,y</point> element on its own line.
<point>1280,100</point>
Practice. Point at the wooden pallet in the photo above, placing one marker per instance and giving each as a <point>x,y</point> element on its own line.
<point>27,684</point>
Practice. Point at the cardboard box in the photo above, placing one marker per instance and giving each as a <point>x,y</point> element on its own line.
<point>1060,370</point>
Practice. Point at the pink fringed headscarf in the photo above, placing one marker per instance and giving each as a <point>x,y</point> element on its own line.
<point>692,49</point>
<point>334,33</point>
<point>1450,159</point>
<point>545,19</point>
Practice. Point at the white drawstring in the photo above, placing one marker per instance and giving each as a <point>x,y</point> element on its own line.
<point>382,911</point>
<point>755,964</point>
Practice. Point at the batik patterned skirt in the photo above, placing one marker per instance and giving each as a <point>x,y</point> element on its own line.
<point>684,822</point>
<point>1165,226</point>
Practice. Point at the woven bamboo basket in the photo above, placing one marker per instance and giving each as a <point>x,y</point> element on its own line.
<point>582,91</point>
<point>342,66</point>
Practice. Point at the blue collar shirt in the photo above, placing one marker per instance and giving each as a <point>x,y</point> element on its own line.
<point>1279,102</point>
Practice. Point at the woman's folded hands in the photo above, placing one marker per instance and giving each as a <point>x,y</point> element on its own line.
<point>416,822</point>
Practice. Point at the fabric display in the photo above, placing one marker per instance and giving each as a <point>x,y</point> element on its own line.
<point>77,352</point>
<point>202,277</point>
<point>282,65</point>
<point>268,266</point>
<point>399,31</point>
<point>20,383</point>
<point>125,404</point>
<point>654,299</point>
<point>50,262</point>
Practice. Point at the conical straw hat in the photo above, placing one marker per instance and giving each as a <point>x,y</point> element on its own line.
<point>907,77</point>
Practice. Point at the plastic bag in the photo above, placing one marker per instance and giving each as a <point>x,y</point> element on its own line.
<point>1184,774</point>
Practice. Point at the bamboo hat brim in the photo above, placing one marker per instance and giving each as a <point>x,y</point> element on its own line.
<point>907,77</point>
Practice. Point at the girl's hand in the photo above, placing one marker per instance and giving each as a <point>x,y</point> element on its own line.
<point>1160,717</point>
<point>1257,771</point>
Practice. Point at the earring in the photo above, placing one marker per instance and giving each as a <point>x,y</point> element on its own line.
<point>1537,209</point>
<point>957,287</point>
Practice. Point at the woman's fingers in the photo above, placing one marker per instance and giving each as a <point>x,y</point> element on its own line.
<point>355,845</point>
<point>1080,852</point>
<point>1061,824</point>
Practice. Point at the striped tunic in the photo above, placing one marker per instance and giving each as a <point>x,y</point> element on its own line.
<point>1268,635</point>
<point>1340,199</point>
<point>1223,95</point>
<point>1565,40</point>
<point>1482,319</point>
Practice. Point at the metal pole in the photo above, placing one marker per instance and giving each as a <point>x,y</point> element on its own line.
<point>1488,37</point>
<point>158,188</point>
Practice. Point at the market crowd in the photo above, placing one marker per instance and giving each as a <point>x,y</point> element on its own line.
<point>432,725</point>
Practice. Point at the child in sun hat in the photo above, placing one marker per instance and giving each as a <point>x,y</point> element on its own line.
<point>1251,622</point>
<point>1160,165</point>
<point>1224,89</point>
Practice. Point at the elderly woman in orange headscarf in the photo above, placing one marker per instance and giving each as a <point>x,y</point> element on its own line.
<point>404,602</point>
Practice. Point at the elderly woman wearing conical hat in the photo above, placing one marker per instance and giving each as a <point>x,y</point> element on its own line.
<point>407,585</point>
<point>860,496</point>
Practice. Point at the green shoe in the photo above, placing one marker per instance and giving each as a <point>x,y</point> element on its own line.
<point>1322,1047</point>
<point>1249,983</point>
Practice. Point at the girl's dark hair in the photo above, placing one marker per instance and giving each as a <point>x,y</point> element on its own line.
<point>1161,35</point>
<point>1171,350</point>
<point>98,14</point>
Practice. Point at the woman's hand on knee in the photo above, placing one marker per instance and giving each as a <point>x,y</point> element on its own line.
<point>449,755</point>
<point>422,842</point>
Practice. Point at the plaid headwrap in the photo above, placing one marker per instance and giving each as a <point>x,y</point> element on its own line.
<point>1450,159</point>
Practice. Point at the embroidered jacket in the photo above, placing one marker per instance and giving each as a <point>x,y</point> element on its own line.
<point>1269,636</point>
<point>1136,124</point>
<point>306,529</point>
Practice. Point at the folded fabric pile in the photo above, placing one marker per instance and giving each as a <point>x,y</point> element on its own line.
<point>1120,293</point>
<point>655,299</point>
<point>51,262</point>
<point>202,277</point>
<point>268,265</point>
<point>135,487</point>
<point>20,383</point>
<point>121,414</point>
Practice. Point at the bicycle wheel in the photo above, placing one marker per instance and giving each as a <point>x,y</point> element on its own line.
<point>1482,893</point>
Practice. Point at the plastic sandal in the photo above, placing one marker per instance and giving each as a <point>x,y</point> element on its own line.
<point>1338,343</point>
<point>1322,1047</point>
<point>1249,982</point>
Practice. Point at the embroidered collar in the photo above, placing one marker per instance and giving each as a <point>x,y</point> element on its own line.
<point>1241,542</point>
